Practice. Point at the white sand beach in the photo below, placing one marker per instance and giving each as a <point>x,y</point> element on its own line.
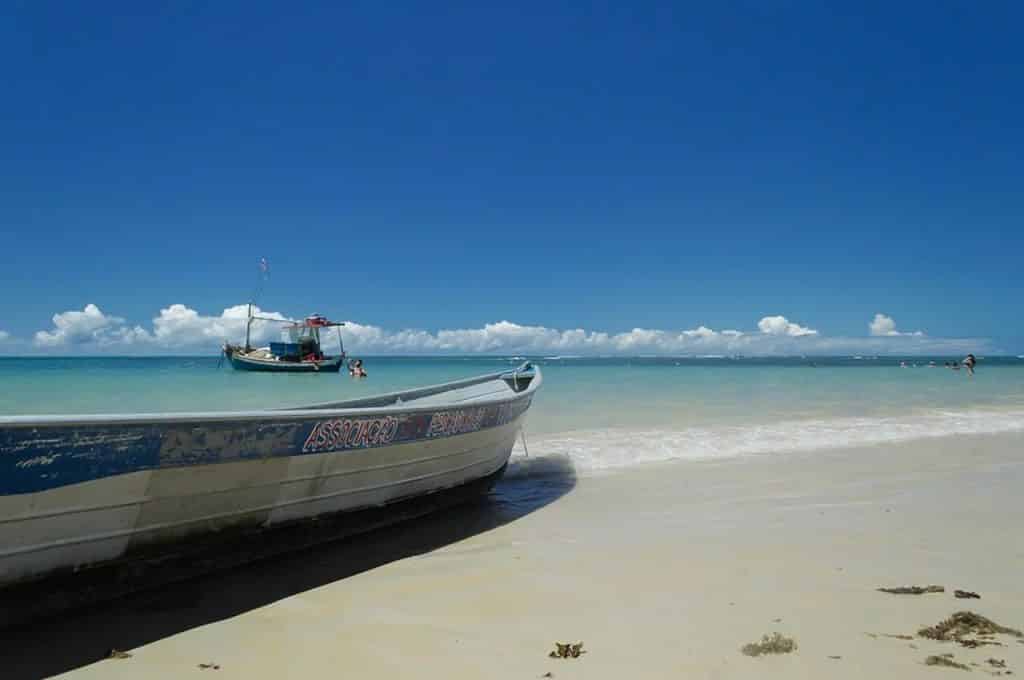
<point>662,571</point>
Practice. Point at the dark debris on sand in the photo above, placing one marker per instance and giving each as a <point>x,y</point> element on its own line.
<point>567,650</point>
<point>966,595</point>
<point>895,636</point>
<point>913,590</point>
<point>776,643</point>
<point>945,660</point>
<point>971,643</point>
<point>118,654</point>
<point>962,624</point>
<point>998,667</point>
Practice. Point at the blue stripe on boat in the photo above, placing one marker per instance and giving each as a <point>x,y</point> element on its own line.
<point>38,458</point>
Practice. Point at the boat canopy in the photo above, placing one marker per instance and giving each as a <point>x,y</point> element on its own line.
<point>317,321</point>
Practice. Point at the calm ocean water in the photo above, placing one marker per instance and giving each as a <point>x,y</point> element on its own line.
<point>602,413</point>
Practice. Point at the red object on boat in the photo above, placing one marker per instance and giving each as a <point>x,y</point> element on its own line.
<point>316,320</point>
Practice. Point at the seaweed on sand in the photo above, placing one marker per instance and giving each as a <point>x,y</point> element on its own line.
<point>776,643</point>
<point>913,590</point>
<point>945,660</point>
<point>972,643</point>
<point>895,636</point>
<point>966,595</point>
<point>567,651</point>
<point>961,624</point>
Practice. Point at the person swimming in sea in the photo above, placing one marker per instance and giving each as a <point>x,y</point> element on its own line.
<point>356,370</point>
<point>969,362</point>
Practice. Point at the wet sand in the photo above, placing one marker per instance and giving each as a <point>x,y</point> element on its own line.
<point>663,571</point>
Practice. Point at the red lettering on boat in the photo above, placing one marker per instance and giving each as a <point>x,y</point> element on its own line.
<point>349,433</point>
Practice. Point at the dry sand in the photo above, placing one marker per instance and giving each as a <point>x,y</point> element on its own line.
<point>663,571</point>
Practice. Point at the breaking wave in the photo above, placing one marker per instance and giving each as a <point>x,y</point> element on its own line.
<point>600,450</point>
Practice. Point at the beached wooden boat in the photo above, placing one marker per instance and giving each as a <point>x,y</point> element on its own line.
<point>81,493</point>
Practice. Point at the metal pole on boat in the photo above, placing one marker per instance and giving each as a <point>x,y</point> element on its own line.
<point>248,325</point>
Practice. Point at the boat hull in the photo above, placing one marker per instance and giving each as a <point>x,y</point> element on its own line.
<point>94,492</point>
<point>69,589</point>
<point>244,363</point>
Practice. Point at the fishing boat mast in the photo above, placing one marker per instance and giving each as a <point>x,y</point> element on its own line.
<point>248,326</point>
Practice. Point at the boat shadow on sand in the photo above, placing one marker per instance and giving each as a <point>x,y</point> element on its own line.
<point>83,636</point>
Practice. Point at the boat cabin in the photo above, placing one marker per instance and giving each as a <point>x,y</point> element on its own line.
<point>304,340</point>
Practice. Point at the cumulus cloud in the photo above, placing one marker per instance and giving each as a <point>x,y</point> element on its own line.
<point>89,326</point>
<point>700,332</point>
<point>506,337</point>
<point>181,328</point>
<point>885,326</point>
<point>780,325</point>
<point>176,326</point>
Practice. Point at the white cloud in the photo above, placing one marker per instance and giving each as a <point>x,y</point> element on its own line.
<point>700,332</point>
<point>176,327</point>
<point>782,337</point>
<point>780,325</point>
<point>4,336</point>
<point>882,325</point>
<point>78,328</point>
<point>885,326</point>
<point>181,328</point>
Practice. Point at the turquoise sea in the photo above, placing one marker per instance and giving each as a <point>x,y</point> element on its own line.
<point>601,412</point>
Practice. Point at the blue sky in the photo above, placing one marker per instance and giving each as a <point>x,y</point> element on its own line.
<point>603,167</point>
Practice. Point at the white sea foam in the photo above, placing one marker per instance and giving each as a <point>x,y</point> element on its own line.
<point>600,450</point>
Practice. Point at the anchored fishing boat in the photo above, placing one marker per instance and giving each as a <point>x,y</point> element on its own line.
<point>83,495</point>
<point>302,355</point>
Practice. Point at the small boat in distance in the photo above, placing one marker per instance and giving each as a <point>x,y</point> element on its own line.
<point>303,354</point>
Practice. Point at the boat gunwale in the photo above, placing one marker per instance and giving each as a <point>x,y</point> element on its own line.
<point>310,412</point>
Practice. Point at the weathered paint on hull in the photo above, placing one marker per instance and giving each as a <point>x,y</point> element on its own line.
<point>104,519</point>
<point>243,364</point>
<point>88,492</point>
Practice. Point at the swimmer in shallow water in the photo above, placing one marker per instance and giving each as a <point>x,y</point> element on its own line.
<point>356,370</point>
<point>969,362</point>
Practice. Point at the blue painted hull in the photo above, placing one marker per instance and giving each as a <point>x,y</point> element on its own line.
<point>242,363</point>
<point>83,491</point>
